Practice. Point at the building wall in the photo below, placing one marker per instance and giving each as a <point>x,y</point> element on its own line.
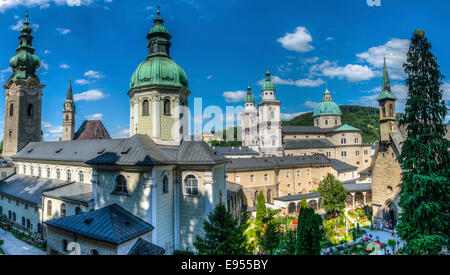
<point>87,171</point>
<point>386,176</point>
<point>22,209</point>
<point>164,227</point>
<point>55,212</point>
<point>327,121</point>
<point>6,172</point>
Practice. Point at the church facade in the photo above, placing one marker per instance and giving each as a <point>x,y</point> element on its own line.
<point>160,175</point>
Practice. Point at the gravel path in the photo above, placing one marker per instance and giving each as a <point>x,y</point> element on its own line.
<point>13,246</point>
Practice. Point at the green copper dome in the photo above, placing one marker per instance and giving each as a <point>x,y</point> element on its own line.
<point>158,68</point>
<point>25,63</point>
<point>249,98</point>
<point>268,85</point>
<point>327,107</point>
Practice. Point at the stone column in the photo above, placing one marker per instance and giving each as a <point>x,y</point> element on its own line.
<point>364,193</point>
<point>353,200</point>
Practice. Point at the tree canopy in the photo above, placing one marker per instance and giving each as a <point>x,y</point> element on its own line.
<point>333,194</point>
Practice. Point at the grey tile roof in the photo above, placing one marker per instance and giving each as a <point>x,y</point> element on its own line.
<point>273,162</point>
<point>357,187</point>
<point>6,162</point>
<point>111,224</point>
<point>235,150</point>
<point>306,130</point>
<point>365,171</point>
<point>341,166</point>
<point>308,144</point>
<point>143,247</point>
<point>233,188</point>
<point>299,197</point>
<point>28,189</point>
<point>136,150</point>
<point>75,192</point>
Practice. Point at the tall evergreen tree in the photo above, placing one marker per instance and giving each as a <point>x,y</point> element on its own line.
<point>260,209</point>
<point>271,239</point>
<point>333,194</point>
<point>222,235</point>
<point>425,160</point>
<point>309,232</point>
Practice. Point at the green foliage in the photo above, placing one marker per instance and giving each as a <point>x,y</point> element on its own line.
<point>228,141</point>
<point>260,209</point>
<point>271,239</point>
<point>222,235</point>
<point>310,232</point>
<point>367,119</point>
<point>425,159</point>
<point>1,147</point>
<point>303,203</point>
<point>289,242</point>
<point>333,194</point>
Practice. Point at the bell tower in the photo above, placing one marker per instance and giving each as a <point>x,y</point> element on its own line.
<point>68,115</point>
<point>250,121</point>
<point>23,96</point>
<point>388,118</point>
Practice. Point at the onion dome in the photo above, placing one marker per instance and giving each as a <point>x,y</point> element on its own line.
<point>386,92</point>
<point>268,85</point>
<point>327,106</point>
<point>25,63</point>
<point>159,68</point>
<point>249,98</point>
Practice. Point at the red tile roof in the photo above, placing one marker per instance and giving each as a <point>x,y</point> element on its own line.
<point>92,129</point>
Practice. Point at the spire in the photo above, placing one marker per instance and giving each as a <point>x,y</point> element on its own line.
<point>386,91</point>
<point>327,94</point>
<point>69,97</point>
<point>25,63</point>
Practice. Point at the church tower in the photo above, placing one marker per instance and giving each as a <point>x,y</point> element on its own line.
<point>388,119</point>
<point>270,120</point>
<point>159,92</point>
<point>68,115</point>
<point>250,121</point>
<point>23,96</point>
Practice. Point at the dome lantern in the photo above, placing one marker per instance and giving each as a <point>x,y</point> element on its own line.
<point>327,106</point>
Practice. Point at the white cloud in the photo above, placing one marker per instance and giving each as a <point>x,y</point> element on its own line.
<point>9,4</point>
<point>235,96</point>
<point>44,65</point>
<point>394,50</point>
<point>209,77</point>
<point>351,72</point>
<point>310,104</point>
<point>329,38</point>
<point>91,95</point>
<point>297,41</point>
<point>63,31</point>
<point>299,83</point>
<point>46,52</point>
<point>17,26</point>
<point>93,74</point>
<point>7,70</point>
<point>122,133</point>
<point>64,66</point>
<point>446,88</point>
<point>82,81</point>
<point>291,116</point>
<point>95,117</point>
<point>311,60</point>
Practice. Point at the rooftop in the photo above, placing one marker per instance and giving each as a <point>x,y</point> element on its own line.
<point>235,150</point>
<point>143,247</point>
<point>307,143</point>
<point>75,192</point>
<point>91,129</point>
<point>272,162</point>
<point>28,189</point>
<point>341,166</point>
<point>111,224</point>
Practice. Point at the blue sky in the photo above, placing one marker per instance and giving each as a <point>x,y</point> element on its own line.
<point>222,45</point>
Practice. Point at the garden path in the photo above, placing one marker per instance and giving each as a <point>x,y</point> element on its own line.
<point>13,246</point>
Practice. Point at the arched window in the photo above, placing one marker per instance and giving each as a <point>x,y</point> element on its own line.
<point>191,185</point>
<point>28,224</point>
<point>63,210</point>
<point>49,208</point>
<point>220,197</point>
<point>384,111</point>
<point>11,109</point>
<point>24,169</point>
<point>30,110</point>
<point>121,185</point>
<point>9,214</point>
<point>68,175</point>
<point>94,252</point>
<point>145,108</point>
<point>269,196</point>
<point>23,221</point>
<point>39,228</point>
<point>80,176</point>
<point>32,170</point>
<point>391,110</point>
<point>48,172</point>
<point>67,117</point>
<point>343,141</point>
<point>167,106</point>
<point>14,216</point>
<point>58,173</point>
<point>165,184</point>
<point>77,210</point>
<point>39,171</point>
<point>291,208</point>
